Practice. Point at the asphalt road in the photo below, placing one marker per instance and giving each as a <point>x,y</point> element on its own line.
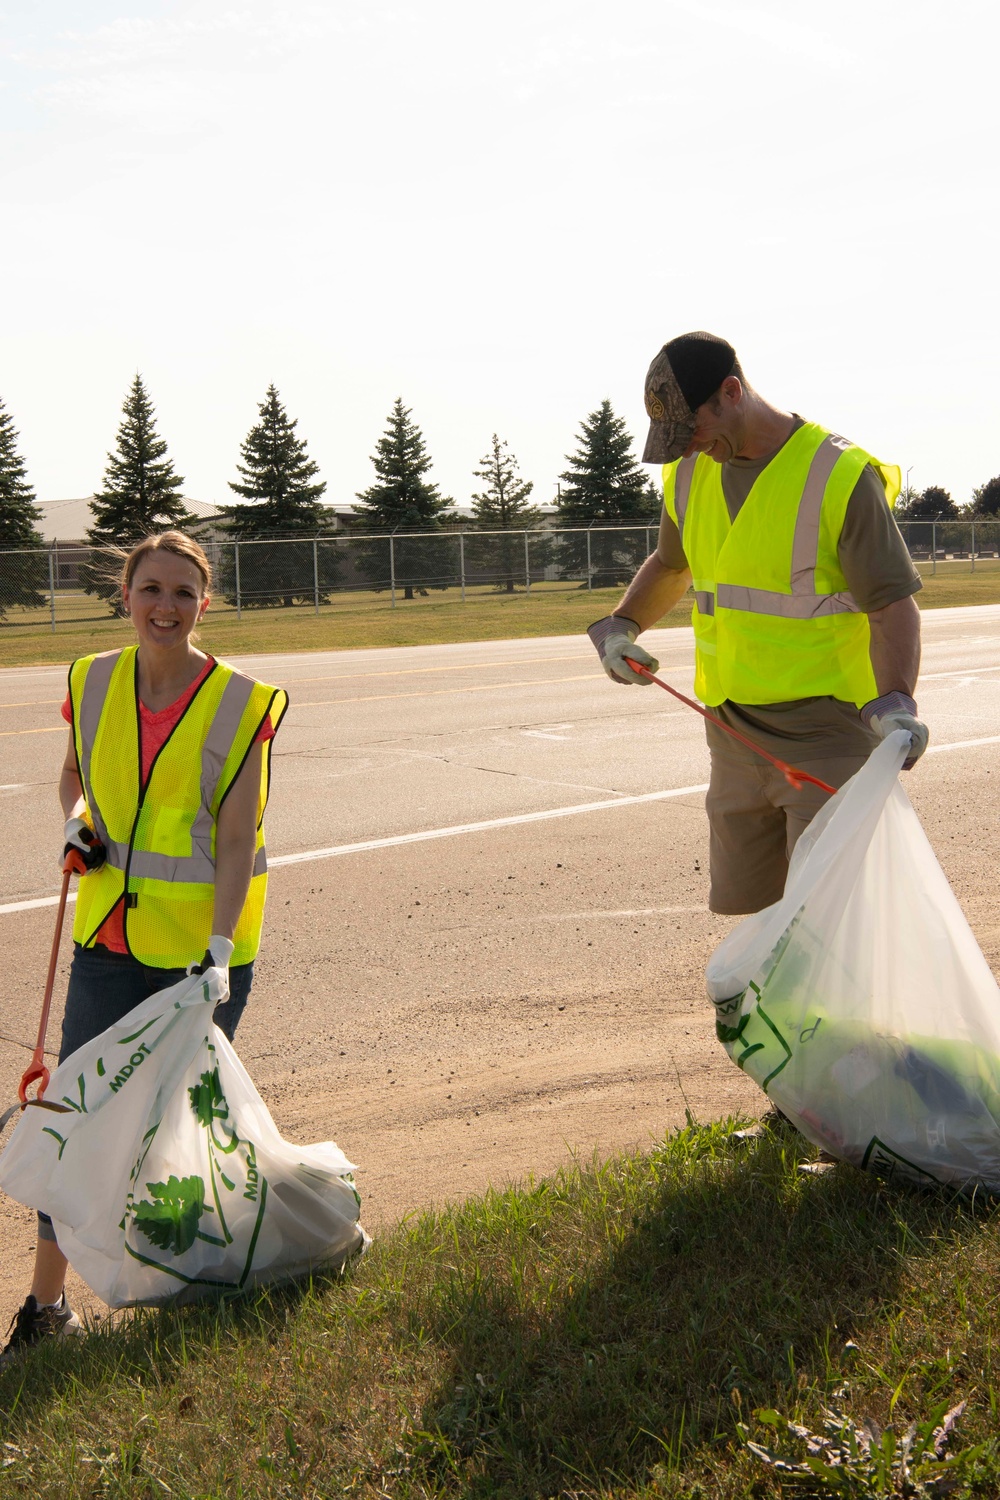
<point>486,929</point>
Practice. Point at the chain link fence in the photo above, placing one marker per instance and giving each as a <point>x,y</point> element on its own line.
<point>68,585</point>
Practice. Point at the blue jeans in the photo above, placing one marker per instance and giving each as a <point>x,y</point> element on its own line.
<point>104,986</point>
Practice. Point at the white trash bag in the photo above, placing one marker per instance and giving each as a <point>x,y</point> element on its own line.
<point>861,1003</point>
<point>166,1175</point>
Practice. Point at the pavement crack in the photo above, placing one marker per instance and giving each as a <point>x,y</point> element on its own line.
<point>573,786</point>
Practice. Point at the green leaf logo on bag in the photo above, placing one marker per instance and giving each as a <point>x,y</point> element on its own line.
<point>209,1104</point>
<point>171,1221</point>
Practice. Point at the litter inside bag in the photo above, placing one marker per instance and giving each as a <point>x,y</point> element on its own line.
<point>163,1171</point>
<point>861,1002</point>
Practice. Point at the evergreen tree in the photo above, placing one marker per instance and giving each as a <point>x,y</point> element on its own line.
<point>503,506</point>
<point>140,486</point>
<point>402,499</point>
<point>22,577</point>
<point>604,486</point>
<point>279,478</point>
<point>139,495</point>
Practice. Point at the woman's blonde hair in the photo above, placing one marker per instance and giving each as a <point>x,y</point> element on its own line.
<point>166,541</point>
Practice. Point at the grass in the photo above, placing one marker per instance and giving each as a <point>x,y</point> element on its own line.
<point>368,620</point>
<point>604,1334</point>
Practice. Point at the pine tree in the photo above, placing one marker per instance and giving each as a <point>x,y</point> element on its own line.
<point>604,486</point>
<point>139,495</point>
<point>22,561</point>
<point>603,481</point>
<point>503,506</point>
<point>279,478</point>
<point>402,499</point>
<point>140,486</point>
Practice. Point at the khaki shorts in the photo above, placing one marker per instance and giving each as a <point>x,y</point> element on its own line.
<point>755,818</point>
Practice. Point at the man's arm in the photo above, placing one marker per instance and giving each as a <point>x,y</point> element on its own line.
<point>653,592</point>
<point>895,657</point>
<point>895,646</point>
<point>660,583</point>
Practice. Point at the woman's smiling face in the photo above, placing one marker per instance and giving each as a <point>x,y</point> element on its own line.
<point>166,599</point>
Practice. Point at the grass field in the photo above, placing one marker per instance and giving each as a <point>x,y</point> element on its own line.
<point>368,620</point>
<point>601,1334</point>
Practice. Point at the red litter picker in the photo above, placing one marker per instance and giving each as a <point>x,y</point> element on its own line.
<point>36,1071</point>
<point>793,776</point>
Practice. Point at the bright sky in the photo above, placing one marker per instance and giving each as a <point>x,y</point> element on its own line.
<point>499,213</point>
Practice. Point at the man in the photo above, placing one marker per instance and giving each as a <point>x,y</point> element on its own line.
<point>807,635</point>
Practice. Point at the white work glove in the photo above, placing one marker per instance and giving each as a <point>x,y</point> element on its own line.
<point>897,711</point>
<point>217,956</point>
<point>83,850</point>
<point>614,637</point>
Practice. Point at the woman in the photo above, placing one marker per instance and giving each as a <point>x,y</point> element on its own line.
<point>163,789</point>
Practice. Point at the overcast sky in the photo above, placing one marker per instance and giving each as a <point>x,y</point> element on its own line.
<point>499,213</point>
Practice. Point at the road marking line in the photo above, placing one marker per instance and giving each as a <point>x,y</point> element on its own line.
<point>14,906</point>
<point>458,828</point>
<point>991,739</point>
<point>52,729</point>
<point>473,666</point>
<point>630,911</point>
<point>13,786</point>
<point>479,687</point>
<point>969,672</point>
<point>34,703</point>
<point>418,838</point>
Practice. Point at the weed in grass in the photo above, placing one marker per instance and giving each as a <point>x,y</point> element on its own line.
<point>862,1461</point>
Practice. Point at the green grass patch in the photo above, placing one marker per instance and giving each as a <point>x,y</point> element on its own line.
<point>353,621</point>
<point>604,1333</point>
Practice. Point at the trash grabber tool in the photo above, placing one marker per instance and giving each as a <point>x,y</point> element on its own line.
<point>36,1071</point>
<point>793,776</point>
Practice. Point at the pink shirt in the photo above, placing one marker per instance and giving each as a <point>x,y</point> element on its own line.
<point>154,731</point>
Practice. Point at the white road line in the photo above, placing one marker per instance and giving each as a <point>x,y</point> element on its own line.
<point>969,672</point>
<point>418,838</point>
<point>457,828</point>
<point>335,850</point>
<point>992,739</point>
<point>629,911</point>
<point>14,906</point>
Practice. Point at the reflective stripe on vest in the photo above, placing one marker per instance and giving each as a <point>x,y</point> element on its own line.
<point>222,731</point>
<point>773,617</point>
<point>168,895</point>
<point>803,603</point>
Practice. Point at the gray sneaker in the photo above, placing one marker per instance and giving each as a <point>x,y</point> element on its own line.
<point>31,1324</point>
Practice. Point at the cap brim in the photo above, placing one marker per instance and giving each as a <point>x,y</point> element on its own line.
<point>667,441</point>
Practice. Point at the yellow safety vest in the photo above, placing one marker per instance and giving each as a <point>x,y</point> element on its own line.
<point>160,840</point>
<point>773,617</point>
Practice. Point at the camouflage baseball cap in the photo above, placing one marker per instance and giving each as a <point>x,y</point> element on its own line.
<point>682,377</point>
